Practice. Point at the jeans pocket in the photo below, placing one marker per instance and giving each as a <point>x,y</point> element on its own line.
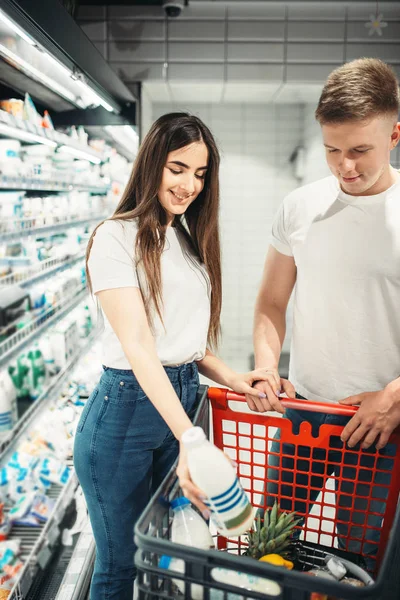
<point>126,390</point>
<point>87,409</point>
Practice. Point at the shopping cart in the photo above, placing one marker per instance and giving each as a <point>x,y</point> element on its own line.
<point>247,438</point>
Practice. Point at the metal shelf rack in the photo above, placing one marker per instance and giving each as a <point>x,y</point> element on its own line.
<point>39,543</point>
<point>33,330</point>
<point>14,229</point>
<point>48,185</point>
<point>49,137</point>
<point>40,271</point>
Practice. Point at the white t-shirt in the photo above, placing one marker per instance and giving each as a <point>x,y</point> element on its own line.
<point>346,320</point>
<point>185,289</point>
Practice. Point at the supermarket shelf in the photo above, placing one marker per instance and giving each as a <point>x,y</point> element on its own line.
<point>52,391</point>
<point>25,131</point>
<point>31,332</point>
<point>77,577</point>
<point>16,228</point>
<point>38,544</point>
<point>43,270</point>
<point>47,185</point>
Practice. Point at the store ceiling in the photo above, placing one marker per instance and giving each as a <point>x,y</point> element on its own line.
<point>160,2</point>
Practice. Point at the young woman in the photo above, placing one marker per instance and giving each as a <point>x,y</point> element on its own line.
<point>155,269</point>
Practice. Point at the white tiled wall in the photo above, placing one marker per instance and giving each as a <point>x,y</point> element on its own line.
<point>315,163</point>
<point>146,113</point>
<point>255,143</point>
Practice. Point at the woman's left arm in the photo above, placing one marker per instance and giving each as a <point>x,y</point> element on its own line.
<point>214,368</point>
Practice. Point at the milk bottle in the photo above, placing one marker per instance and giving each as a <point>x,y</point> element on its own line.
<point>212,472</point>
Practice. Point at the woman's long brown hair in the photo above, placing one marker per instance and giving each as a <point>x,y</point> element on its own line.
<point>199,225</point>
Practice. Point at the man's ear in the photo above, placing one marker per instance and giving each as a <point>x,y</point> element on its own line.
<point>395,136</point>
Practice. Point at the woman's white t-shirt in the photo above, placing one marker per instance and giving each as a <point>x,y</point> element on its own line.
<point>185,292</point>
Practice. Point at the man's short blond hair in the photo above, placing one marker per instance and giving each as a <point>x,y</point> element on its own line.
<point>359,90</point>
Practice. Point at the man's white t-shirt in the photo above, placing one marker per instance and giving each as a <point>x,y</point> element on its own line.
<point>346,320</point>
<point>185,289</point>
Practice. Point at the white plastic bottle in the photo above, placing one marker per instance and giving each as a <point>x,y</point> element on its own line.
<point>7,404</point>
<point>212,472</point>
<point>244,581</point>
<point>188,527</point>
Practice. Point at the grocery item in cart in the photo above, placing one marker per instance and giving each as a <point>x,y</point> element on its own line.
<point>236,578</point>
<point>188,528</point>
<point>212,472</point>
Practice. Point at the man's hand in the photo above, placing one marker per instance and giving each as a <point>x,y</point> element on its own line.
<point>377,417</point>
<point>272,386</point>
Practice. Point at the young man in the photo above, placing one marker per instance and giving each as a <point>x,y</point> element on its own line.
<point>338,241</point>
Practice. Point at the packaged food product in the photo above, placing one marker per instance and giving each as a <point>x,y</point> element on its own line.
<point>22,506</point>
<point>54,471</point>
<point>9,550</point>
<point>13,106</point>
<point>42,507</point>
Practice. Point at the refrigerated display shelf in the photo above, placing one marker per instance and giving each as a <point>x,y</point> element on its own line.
<point>76,581</point>
<point>12,127</point>
<point>38,544</point>
<point>53,390</point>
<point>10,347</point>
<point>9,229</point>
<point>47,185</point>
<point>39,271</point>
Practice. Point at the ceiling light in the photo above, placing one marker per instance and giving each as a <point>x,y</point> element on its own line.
<point>50,83</point>
<point>25,136</point>
<point>80,154</point>
<point>16,29</point>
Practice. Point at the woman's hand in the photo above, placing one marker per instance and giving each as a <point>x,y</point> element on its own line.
<point>190,491</point>
<point>264,396</point>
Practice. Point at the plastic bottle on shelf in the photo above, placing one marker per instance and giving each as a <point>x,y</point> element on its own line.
<point>8,399</point>
<point>19,372</point>
<point>84,320</point>
<point>212,472</point>
<point>37,371</point>
<point>48,355</point>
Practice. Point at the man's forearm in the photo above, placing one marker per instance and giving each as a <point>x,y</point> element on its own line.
<point>268,336</point>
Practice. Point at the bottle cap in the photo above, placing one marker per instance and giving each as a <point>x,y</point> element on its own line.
<point>164,562</point>
<point>194,436</point>
<point>179,502</point>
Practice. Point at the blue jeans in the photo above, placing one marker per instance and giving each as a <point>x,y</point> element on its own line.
<point>359,518</point>
<point>123,450</point>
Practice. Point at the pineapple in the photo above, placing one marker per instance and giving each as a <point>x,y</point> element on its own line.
<point>273,535</point>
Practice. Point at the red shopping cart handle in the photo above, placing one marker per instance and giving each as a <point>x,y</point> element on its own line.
<point>222,396</point>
